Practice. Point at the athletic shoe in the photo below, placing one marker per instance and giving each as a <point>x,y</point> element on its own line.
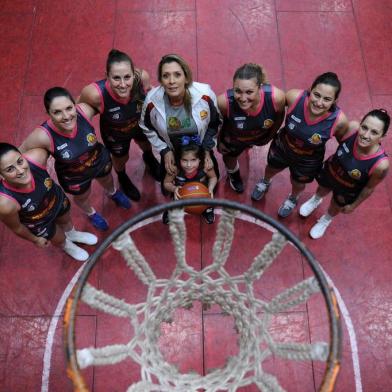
<point>165,218</point>
<point>287,207</point>
<point>121,200</point>
<point>128,187</point>
<point>153,165</point>
<point>318,230</point>
<point>74,251</point>
<point>260,189</point>
<point>235,181</point>
<point>209,215</point>
<point>98,221</point>
<point>309,206</point>
<point>82,237</point>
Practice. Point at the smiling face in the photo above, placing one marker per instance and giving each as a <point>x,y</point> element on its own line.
<point>173,81</point>
<point>370,132</point>
<point>189,162</point>
<point>321,98</point>
<point>14,169</point>
<point>247,93</point>
<point>121,78</point>
<point>62,112</point>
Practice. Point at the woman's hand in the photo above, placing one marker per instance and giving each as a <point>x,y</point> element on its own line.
<point>208,164</point>
<point>41,242</point>
<point>170,164</point>
<point>176,193</point>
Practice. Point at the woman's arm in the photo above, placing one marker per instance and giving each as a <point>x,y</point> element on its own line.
<point>91,96</point>
<point>88,110</point>
<point>377,176</point>
<point>209,139</point>
<point>342,128</point>
<point>9,216</point>
<point>37,139</point>
<point>169,185</point>
<point>145,78</point>
<point>212,181</point>
<point>279,100</point>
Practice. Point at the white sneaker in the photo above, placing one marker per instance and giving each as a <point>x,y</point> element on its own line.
<point>309,206</point>
<point>82,237</point>
<point>74,251</point>
<point>318,230</point>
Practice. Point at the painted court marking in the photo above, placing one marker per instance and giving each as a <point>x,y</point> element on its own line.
<point>60,306</point>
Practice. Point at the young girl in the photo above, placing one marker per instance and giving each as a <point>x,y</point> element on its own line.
<point>190,167</point>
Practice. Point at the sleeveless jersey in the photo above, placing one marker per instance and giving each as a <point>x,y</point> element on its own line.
<point>39,205</point>
<point>118,119</point>
<point>303,137</point>
<point>182,179</point>
<point>350,171</point>
<point>77,156</point>
<point>245,128</point>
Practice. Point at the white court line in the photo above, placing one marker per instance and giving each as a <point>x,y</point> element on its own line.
<point>57,314</point>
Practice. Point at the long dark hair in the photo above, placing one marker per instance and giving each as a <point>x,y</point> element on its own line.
<point>116,56</point>
<point>56,92</point>
<point>382,115</point>
<point>331,79</point>
<point>191,147</point>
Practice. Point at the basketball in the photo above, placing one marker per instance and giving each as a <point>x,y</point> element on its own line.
<point>193,190</point>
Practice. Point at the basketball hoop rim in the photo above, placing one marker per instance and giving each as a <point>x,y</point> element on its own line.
<point>335,350</point>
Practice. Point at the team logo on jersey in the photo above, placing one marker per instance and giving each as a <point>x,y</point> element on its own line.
<point>240,125</point>
<point>66,154</point>
<point>315,139</point>
<point>59,148</point>
<point>203,114</point>
<point>174,123</point>
<point>268,123</point>
<point>26,203</point>
<point>355,173</point>
<point>291,126</point>
<point>48,183</point>
<point>296,119</point>
<point>91,139</point>
<point>31,208</point>
<point>116,116</point>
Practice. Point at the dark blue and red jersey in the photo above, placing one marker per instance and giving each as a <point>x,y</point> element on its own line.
<point>303,137</point>
<point>118,118</point>
<point>347,169</point>
<point>40,204</point>
<point>182,178</point>
<point>78,155</point>
<point>239,126</point>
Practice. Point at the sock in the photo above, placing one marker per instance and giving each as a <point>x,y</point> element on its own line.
<point>328,217</point>
<point>91,213</point>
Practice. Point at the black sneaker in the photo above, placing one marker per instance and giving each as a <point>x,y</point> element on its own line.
<point>128,187</point>
<point>153,165</point>
<point>236,181</point>
<point>165,217</point>
<point>209,216</point>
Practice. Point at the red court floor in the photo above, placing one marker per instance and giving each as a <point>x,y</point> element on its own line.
<point>46,43</point>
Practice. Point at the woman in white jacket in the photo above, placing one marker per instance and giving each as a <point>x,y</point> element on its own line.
<point>180,107</point>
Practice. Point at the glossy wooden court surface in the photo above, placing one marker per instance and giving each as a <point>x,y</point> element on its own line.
<point>45,43</point>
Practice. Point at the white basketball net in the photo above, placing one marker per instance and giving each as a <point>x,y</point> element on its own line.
<point>251,315</point>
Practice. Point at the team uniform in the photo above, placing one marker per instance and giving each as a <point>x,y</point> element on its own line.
<point>347,173</point>
<point>79,157</point>
<point>241,130</point>
<point>119,120</point>
<point>182,178</point>
<point>300,145</point>
<point>40,205</point>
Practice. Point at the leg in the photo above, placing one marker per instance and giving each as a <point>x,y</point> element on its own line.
<point>262,186</point>
<point>117,196</point>
<point>149,159</point>
<point>289,204</point>
<point>83,202</point>
<point>318,230</point>
<point>233,171</point>
<point>125,182</point>
<point>311,204</point>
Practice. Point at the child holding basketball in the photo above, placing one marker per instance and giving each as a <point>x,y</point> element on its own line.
<point>190,168</point>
